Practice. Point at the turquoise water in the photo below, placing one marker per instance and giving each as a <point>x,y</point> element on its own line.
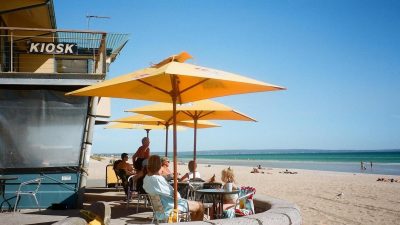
<point>383,161</point>
<point>367,156</point>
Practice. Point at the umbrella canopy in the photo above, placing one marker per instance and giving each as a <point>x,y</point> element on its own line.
<point>185,82</point>
<point>175,82</point>
<point>147,128</point>
<point>150,120</point>
<point>145,119</point>
<point>196,111</point>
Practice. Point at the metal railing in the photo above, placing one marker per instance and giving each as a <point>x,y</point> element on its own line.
<point>34,50</point>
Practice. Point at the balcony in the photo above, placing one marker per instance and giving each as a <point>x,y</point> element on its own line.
<point>67,57</point>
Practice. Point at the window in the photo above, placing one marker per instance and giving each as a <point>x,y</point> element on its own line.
<point>74,66</point>
<point>40,128</point>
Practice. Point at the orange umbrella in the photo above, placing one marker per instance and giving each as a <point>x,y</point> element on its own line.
<point>147,128</point>
<point>175,82</point>
<point>145,119</point>
<point>196,111</point>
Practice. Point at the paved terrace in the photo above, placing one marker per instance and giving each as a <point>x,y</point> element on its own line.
<point>268,211</point>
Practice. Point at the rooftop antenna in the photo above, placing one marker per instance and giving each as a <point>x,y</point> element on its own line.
<point>95,17</point>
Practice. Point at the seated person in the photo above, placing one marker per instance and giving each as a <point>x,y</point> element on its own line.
<point>154,183</point>
<point>165,172</point>
<point>140,177</point>
<point>192,166</point>
<point>125,166</point>
<point>228,177</point>
<point>123,170</point>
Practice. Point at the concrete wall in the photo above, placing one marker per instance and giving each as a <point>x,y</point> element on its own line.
<point>269,211</point>
<point>36,63</point>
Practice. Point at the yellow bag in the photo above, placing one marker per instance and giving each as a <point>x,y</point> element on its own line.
<point>173,217</point>
<point>93,218</point>
<point>95,222</point>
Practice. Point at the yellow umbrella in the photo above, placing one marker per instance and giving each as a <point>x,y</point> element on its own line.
<point>145,119</point>
<point>175,82</point>
<point>199,110</point>
<point>150,120</point>
<point>147,128</point>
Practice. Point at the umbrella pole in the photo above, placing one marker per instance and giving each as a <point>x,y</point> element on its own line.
<point>166,140</point>
<point>195,145</point>
<point>147,132</point>
<point>174,97</point>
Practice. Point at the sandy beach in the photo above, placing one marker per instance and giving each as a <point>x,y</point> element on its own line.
<point>323,197</point>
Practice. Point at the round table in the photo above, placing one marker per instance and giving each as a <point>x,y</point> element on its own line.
<point>3,180</point>
<point>218,199</point>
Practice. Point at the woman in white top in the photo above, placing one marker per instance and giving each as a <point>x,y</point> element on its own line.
<point>192,166</point>
<point>154,183</point>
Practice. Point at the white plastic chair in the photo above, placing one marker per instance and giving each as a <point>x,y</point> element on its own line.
<point>23,191</point>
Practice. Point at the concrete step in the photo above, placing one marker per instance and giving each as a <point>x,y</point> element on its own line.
<point>104,196</point>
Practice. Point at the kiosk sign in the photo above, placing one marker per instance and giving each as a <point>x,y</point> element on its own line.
<point>52,48</point>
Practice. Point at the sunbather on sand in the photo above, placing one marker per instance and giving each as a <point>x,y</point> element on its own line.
<point>255,170</point>
<point>288,172</point>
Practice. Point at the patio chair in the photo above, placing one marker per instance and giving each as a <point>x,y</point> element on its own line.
<point>160,214</point>
<point>244,204</point>
<point>133,193</point>
<point>192,192</point>
<point>212,185</point>
<point>24,190</point>
<point>184,189</point>
<point>119,183</point>
<point>196,180</point>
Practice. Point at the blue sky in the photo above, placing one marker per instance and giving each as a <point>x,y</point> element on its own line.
<point>338,59</point>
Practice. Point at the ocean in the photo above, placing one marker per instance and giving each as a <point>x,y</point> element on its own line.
<point>386,162</point>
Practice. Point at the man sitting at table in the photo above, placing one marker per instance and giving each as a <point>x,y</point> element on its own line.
<point>192,166</point>
<point>154,183</point>
<point>123,169</point>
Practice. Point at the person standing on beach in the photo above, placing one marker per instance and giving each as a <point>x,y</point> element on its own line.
<point>141,154</point>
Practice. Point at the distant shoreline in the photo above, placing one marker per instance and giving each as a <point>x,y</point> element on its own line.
<point>347,167</point>
<point>383,162</point>
<point>375,156</point>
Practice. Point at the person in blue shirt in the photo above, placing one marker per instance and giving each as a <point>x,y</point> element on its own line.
<point>154,183</point>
